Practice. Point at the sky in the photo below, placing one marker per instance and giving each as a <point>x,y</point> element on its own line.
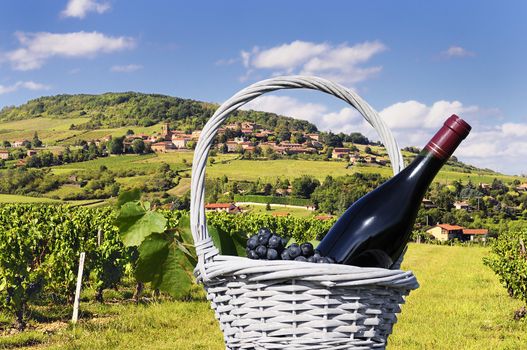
<point>415,62</point>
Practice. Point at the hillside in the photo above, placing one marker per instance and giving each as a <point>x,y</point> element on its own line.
<point>114,110</point>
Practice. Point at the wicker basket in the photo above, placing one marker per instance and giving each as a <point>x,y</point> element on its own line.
<point>289,304</point>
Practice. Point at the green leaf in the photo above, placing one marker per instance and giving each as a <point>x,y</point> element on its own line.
<point>152,254</point>
<point>176,274</point>
<point>184,228</point>
<point>135,223</point>
<point>227,244</point>
<point>165,265</point>
<point>128,196</point>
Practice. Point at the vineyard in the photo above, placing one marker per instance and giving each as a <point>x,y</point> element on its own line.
<point>40,247</point>
<point>41,243</point>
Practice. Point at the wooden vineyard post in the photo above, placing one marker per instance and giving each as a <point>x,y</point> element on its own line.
<point>75,315</point>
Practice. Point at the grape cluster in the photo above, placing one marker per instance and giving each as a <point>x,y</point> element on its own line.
<point>266,245</point>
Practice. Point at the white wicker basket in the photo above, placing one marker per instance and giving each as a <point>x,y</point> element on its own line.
<point>289,304</point>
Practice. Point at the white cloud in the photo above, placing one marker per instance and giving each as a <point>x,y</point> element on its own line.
<point>340,63</point>
<point>80,8</point>
<point>126,68</point>
<point>29,85</point>
<point>514,129</point>
<point>457,51</point>
<point>412,114</point>
<point>37,48</point>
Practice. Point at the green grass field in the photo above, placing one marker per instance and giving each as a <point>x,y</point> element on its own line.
<point>459,305</point>
<point>275,210</point>
<point>14,198</point>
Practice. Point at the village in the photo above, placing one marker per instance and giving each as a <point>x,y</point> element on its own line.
<point>242,137</point>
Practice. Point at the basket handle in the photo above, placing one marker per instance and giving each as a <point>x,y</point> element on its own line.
<point>204,246</point>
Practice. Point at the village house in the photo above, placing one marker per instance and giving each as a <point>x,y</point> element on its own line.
<point>472,234</point>
<point>249,125</point>
<point>163,146</point>
<point>180,142</point>
<point>280,214</point>
<point>302,150</point>
<point>356,158</point>
<point>31,152</point>
<point>230,208</point>
<point>314,137</point>
<point>19,143</point>
<point>195,134</point>
<point>232,146</point>
<point>340,153</point>
<point>461,205</point>
<point>446,232</point>
<point>4,154</point>
<point>522,187</point>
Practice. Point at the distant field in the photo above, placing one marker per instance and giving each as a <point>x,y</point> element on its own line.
<point>52,130</point>
<point>254,169</point>
<point>182,187</point>
<point>49,129</point>
<point>112,162</point>
<point>13,198</point>
<point>275,210</point>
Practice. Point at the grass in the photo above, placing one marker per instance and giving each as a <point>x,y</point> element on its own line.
<point>297,212</point>
<point>14,198</point>
<point>269,170</point>
<point>459,305</point>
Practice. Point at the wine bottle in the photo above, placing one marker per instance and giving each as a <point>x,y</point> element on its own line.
<point>374,231</point>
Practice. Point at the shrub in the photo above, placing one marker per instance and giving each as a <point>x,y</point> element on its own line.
<point>508,259</point>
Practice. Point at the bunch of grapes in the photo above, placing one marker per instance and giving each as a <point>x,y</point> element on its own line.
<point>266,245</point>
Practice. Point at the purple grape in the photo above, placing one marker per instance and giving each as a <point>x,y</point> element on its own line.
<point>251,254</point>
<point>301,258</point>
<point>275,242</point>
<point>285,255</point>
<point>312,259</point>
<point>272,254</point>
<point>261,251</point>
<point>263,240</point>
<point>307,249</point>
<point>252,242</point>
<point>284,242</point>
<point>264,231</point>
<point>294,250</point>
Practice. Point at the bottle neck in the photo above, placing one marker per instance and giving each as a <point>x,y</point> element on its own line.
<point>446,140</point>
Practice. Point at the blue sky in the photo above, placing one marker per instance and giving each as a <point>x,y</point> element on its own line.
<point>414,61</point>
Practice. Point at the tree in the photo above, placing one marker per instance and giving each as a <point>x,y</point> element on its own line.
<point>304,186</point>
<point>368,150</point>
<point>268,206</point>
<point>36,141</point>
<point>138,146</point>
<point>27,144</point>
<point>130,132</point>
<point>116,145</point>
<point>6,144</point>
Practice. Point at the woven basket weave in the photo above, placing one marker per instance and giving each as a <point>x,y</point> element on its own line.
<point>289,304</point>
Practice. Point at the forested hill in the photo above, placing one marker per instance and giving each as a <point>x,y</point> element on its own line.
<point>111,110</point>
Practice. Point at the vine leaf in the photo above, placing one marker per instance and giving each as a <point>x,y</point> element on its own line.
<point>136,223</point>
<point>228,244</point>
<point>165,266</point>
<point>128,196</point>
